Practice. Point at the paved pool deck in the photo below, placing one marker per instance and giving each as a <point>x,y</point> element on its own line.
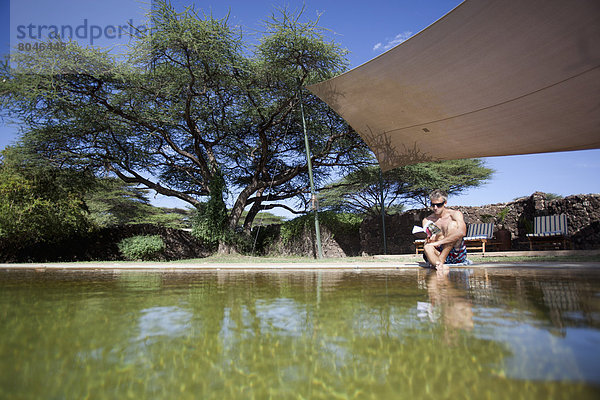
<point>378,262</point>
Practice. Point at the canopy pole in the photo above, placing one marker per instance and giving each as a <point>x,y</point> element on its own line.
<point>382,211</point>
<point>315,204</point>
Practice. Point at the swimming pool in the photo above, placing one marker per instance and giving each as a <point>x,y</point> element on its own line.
<point>409,333</point>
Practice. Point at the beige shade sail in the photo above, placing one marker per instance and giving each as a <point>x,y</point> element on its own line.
<point>491,78</point>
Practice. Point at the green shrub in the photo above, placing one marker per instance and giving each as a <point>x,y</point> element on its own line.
<point>39,202</point>
<point>338,224</point>
<point>209,223</point>
<point>142,247</point>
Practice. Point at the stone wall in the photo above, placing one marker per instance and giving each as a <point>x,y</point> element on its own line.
<point>583,218</point>
<point>305,244</point>
<point>102,245</point>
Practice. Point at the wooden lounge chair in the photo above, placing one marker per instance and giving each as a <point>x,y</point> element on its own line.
<point>419,243</point>
<point>549,231</point>
<point>478,235</point>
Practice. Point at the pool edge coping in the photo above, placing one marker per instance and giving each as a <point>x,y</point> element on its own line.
<point>391,266</point>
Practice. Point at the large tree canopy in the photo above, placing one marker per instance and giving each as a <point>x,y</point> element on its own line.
<point>362,191</point>
<point>452,176</point>
<point>40,202</point>
<point>189,102</point>
<point>113,202</point>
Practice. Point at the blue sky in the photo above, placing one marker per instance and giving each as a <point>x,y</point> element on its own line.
<point>366,29</point>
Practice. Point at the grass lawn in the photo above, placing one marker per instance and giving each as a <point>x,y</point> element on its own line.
<point>541,258</point>
<point>240,259</point>
<point>584,257</point>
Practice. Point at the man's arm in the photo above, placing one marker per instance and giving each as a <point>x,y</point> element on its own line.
<point>455,234</point>
<point>426,222</point>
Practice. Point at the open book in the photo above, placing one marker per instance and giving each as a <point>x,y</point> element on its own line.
<point>430,230</point>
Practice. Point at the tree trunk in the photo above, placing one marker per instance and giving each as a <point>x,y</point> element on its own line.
<point>226,248</point>
<point>253,212</point>
<point>240,203</point>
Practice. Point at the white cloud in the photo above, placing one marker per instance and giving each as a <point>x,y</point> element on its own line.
<point>399,38</point>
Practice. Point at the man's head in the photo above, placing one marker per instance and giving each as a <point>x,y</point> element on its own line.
<point>438,200</point>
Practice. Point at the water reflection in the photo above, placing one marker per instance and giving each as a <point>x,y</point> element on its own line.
<point>447,303</point>
<point>382,334</point>
<point>282,316</point>
<point>164,321</point>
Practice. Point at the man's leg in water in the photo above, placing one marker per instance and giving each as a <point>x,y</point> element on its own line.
<point>444,254</point>
<point>436,257</point>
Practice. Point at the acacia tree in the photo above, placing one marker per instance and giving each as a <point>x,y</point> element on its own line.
<point>113,202</point>
<point>360,191</point>
<point>452,176</point>
<point>188,103</point>
<point>39,202</point>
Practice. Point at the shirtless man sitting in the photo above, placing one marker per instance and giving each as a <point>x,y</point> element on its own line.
<point>447,247</point>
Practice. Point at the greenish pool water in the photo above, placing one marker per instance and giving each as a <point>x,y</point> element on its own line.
<point>410,334</point>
